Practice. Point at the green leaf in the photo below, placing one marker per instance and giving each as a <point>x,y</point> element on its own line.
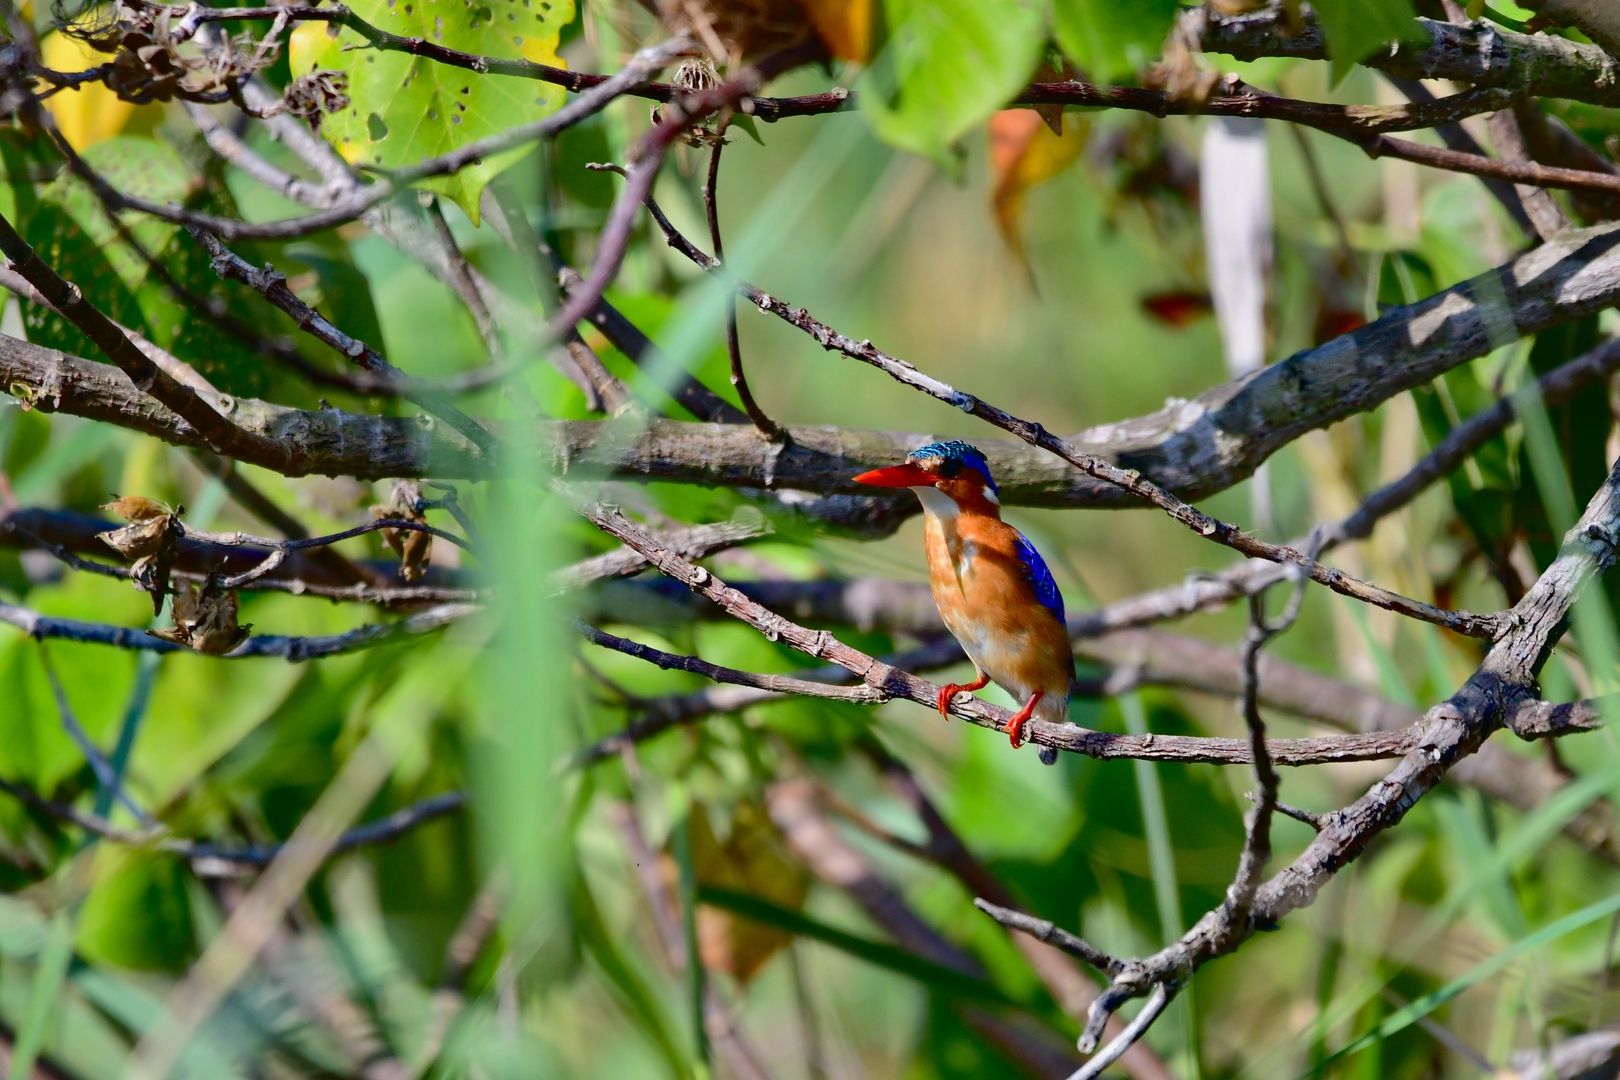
<point>405,108</point>
<point>947,66</point>
<point>1161,856</point>
<point>1112,40</point>
<point>1356,28</point>
<point>138,915</point>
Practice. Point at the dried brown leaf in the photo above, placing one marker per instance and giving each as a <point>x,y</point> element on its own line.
<point>754,860</point>
<point>136,508</point>
<point>413,547</point>
<point>137,540</point>
<point>205,620</point>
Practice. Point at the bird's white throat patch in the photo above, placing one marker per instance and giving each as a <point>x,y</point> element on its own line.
<point>937,504</point>
<point>942,508</point>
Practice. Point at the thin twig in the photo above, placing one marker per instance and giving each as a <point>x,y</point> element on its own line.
<point>352,204</point>
<point>874,673</point>
<point>157,836</point>
<point>1042,930</point>
<point>859,695</point>
<point>273,286</point>
<point>739,381</point>
<point>106,775</point>
<point>291,649</point>
<point>1129,480</point>
<point>1207,591</point>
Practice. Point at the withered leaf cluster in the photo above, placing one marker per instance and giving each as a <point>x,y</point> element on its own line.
<point>150,539</point>
<point>413,547</point>
<point>205,620</point>
<point>152,63</point>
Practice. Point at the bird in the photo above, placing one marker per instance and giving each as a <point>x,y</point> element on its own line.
<point>992,588</point>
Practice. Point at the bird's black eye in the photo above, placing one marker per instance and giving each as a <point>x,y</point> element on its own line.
<point>950,467</point>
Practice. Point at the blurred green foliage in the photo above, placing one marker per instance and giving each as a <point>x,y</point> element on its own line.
<point>882,228</point>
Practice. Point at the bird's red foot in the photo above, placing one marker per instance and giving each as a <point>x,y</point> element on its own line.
<point>1015,726</point>
<point>949,690</point>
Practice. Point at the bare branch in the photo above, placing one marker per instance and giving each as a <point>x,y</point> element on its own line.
<point>351,205</point>
<point>1051,933</point>
<point>212,856</point>
<point>1589,1056</point>
<point>1458,139</point>
<point>693,543</point>
<point>1451,731</point>
<point>1477,54</point>
<point>781,684</point>
<point>292,649</point>
<point>895,683</point>
<point>1206,591</point>
<point>273,286</point>
<point>1189,448</point>
<point>739,381</point>
<point>1129,480</point>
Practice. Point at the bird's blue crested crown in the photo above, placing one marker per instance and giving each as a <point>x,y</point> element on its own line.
<point>957,451</point>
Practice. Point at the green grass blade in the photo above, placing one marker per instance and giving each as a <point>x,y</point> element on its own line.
<point>681,848</point>
<point>636,996</point>
<point>1425,1005</point>
<point>1156,824</point>
<point>936,977</point>
<point>146,668</point>
<point>48,975</point>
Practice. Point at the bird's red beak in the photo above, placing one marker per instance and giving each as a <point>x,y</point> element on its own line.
<point>897,476</point>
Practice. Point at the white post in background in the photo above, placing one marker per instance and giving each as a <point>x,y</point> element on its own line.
<point>1235,199</point>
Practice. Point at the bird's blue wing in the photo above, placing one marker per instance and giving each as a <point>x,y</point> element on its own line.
<point>1040,578</point>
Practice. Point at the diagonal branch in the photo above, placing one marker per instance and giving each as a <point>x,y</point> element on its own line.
<point>1207,591</point>
<point>781,684</point>
<point>895,683</point>
<point>352,204</point>
<point>1191,449</point>
<point>1129,480</point>
<point>1450,732</point>
<point>273,286</point>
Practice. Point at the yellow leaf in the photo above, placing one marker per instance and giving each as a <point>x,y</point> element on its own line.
<point>845,26</point>
<point>1025,152</point>
<point>92,112</point>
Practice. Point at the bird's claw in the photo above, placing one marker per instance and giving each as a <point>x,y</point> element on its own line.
<point>950,690</point>
<point>1015,726</point>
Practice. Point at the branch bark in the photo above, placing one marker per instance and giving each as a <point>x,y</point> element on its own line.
<point>1191,449</point>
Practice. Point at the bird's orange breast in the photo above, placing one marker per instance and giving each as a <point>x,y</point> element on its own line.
<point>984,594</point>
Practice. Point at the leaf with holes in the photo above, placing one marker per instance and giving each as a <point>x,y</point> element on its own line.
<point>403,108</point>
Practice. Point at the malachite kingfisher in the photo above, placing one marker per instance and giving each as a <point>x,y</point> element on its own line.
<point>992,587</point>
